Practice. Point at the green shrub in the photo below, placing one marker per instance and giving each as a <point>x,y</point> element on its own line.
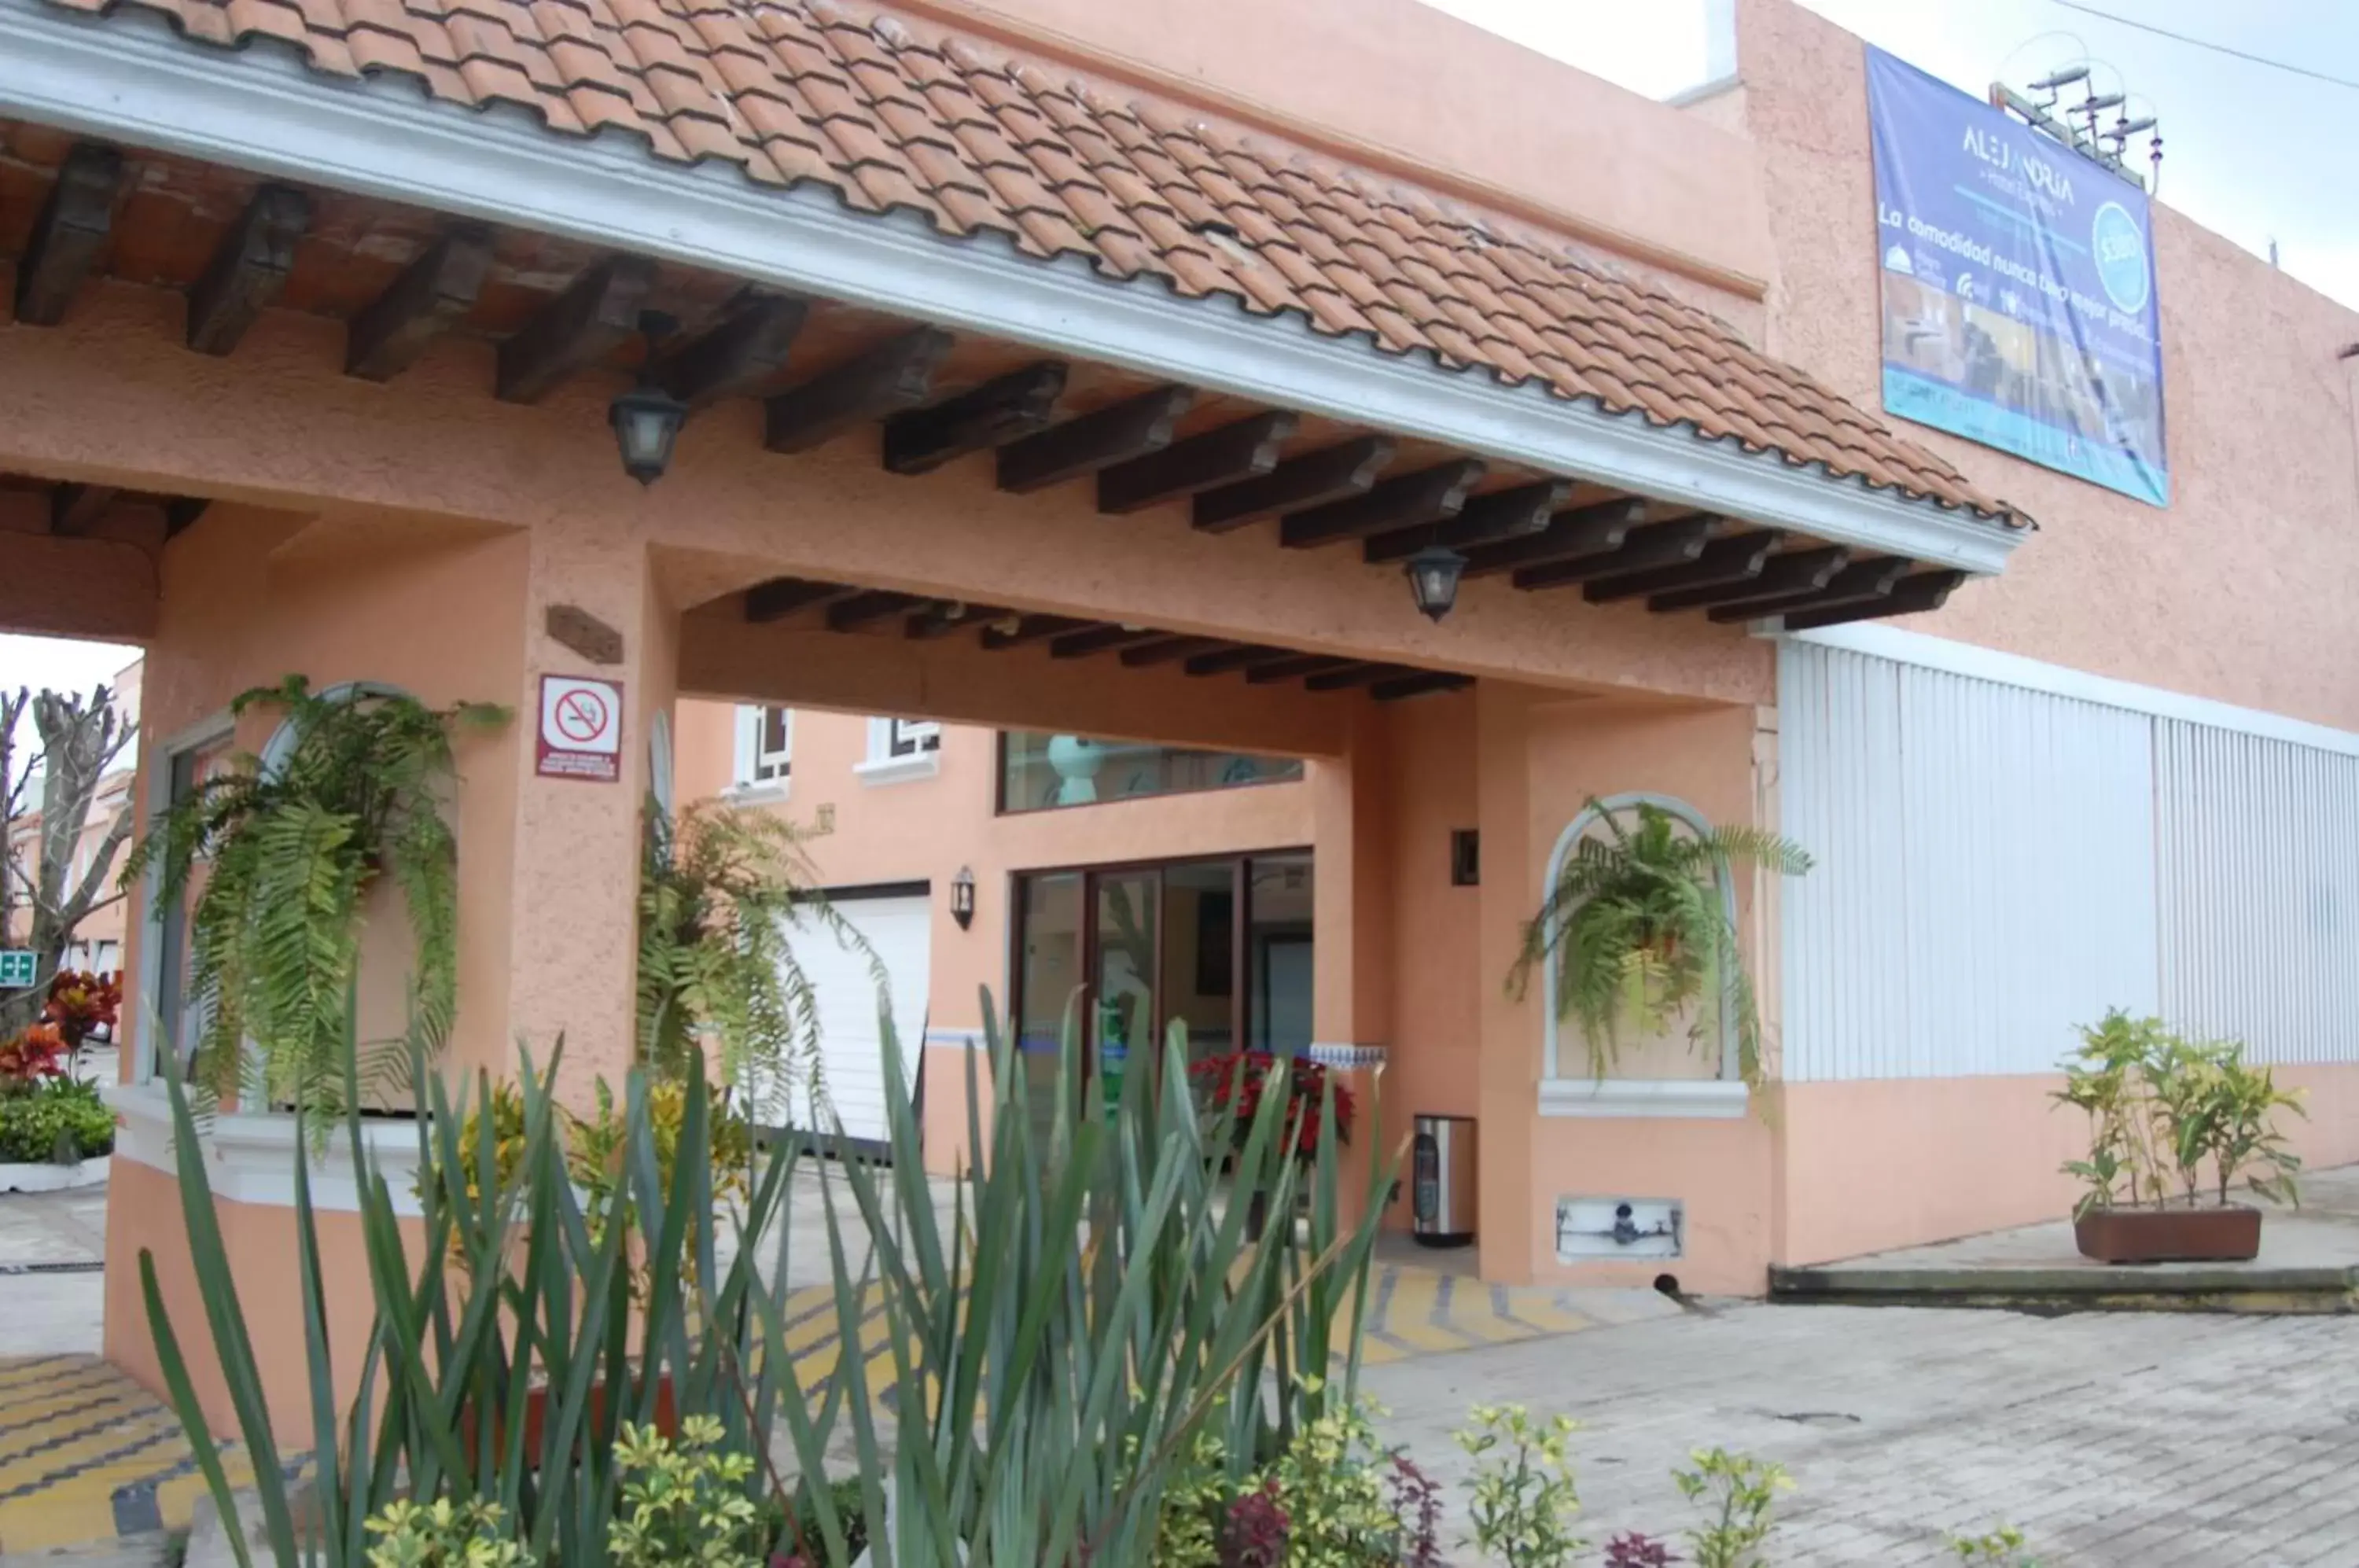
<point>442,1534</point>
<point>2171,1117</point>
<point>59,1121</point>
<point>1326,1481</point>
<point>684,1504</point>
<point>1738,1496</point>
<point>2003,1546</point>
<point>1524,1498</point>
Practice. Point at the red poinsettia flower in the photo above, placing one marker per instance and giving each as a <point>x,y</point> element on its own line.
<point>1235,1084</point>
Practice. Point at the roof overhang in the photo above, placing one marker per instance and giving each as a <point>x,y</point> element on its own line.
<point>264,110</point>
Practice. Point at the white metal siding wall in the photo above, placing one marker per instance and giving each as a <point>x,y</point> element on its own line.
<point>1985,868</point>
<point>2259,846</point>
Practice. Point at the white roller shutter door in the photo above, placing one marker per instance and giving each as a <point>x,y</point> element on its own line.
<point>852,1052</point>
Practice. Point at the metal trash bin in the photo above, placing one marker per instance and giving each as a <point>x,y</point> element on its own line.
<point>1442,1188</point>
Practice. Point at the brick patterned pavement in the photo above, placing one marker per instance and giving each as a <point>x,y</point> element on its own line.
<point>2162,1441</point>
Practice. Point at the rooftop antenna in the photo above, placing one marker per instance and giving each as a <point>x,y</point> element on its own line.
<point>2054,118</point>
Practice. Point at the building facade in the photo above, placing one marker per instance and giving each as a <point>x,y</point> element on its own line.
<point>1090,373</point>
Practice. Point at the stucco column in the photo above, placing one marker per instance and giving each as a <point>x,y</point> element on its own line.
<point>1352,969</point>
<point>1508,1094</point>
<point>575,879</point>
<point>1351,1001</point>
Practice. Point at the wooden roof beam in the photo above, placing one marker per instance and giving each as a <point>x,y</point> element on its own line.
<point>1328,474</point>
<point>433,295</point>
<point>859,609</point>
<point>1502,515</point>
<point>784,596</point>
<point>181,512</point>
<point>1295,669</point>
<point>1078,448</point>
<point>1737,559</point>
<point>1911,595</point>
<point>1352,675</point>
<point>1245,450</point>
<point>944,617</point>
<point>1584,531</point>
<point>248,269</point>
<point>897,374</point>
<point>737,354</point>
<point>68,235</point>
<point>1429,495</point>
<point>1016,404</point>
<point>1088,641</point>
<point>1029,630</point>
<point>1241,656</point>
<point>1860,582</point>
<point>576,329</point>
<point>1418,684</point>
<point>1169,650</point>
<point>1795,572</point>
<point>74,508</point>
<point>1656,545</point>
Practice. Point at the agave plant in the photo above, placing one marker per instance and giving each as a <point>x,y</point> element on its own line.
<point>723,893</point>
<point>1640,934</point>
<point>1088,1310</point>
<point>291,851</point>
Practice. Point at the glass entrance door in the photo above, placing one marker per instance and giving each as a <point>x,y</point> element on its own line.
<point>1223,946</point>
<point>1123,1023</point>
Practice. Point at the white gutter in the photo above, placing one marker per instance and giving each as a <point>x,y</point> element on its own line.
<point>130,79</point>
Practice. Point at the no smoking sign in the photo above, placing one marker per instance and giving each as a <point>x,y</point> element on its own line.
<point>580,729</point>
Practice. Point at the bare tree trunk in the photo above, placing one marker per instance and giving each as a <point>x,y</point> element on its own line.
<point>80,743</point>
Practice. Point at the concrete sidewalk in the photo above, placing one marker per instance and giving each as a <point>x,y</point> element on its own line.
<point>2309,1262</point>
<point>2153,1440</point>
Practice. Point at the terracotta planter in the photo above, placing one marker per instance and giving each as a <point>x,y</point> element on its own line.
<point>2210,1235</point>
<point>535,1411</point>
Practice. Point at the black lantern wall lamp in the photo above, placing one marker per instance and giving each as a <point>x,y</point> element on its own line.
<point>963,897</point>
<point>647,419</point>
<point>1434,574</point>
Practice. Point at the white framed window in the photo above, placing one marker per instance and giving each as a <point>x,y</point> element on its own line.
<point>766,749</point>
<point>908,737</point>
<point>901,749</point>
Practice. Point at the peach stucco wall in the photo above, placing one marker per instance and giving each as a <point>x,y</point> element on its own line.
<point>435,609</point>
<point>2240,590</point>
<point>260,1243</point>
<point>1891,1163</point>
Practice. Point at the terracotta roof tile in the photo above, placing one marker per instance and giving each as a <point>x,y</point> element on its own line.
<point>893,114</point>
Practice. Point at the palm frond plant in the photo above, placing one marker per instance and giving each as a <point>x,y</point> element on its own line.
<point>725,892</point>
<point>290,852</point>
<point>1640,934</point>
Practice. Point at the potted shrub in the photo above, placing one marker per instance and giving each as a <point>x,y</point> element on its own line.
<point>2173,1125</point>
<point>1640,934</point>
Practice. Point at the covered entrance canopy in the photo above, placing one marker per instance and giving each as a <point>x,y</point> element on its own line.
<point>1017,396</point>
<point>878,225</point>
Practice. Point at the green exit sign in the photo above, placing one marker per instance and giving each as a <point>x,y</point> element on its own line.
<point>17,969</point>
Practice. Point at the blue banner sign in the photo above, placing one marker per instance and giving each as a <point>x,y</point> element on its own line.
<point>2018,287</point>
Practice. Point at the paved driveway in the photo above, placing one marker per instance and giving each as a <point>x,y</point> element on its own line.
<point>2150,1440</point>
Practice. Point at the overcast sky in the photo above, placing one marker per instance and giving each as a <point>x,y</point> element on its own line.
<point>59,665</point>
<point>2251,152</point>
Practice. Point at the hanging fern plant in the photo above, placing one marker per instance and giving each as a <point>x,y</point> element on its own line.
<point>724,891</point>
<point>1640,933</point>
<point>291,851</point>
